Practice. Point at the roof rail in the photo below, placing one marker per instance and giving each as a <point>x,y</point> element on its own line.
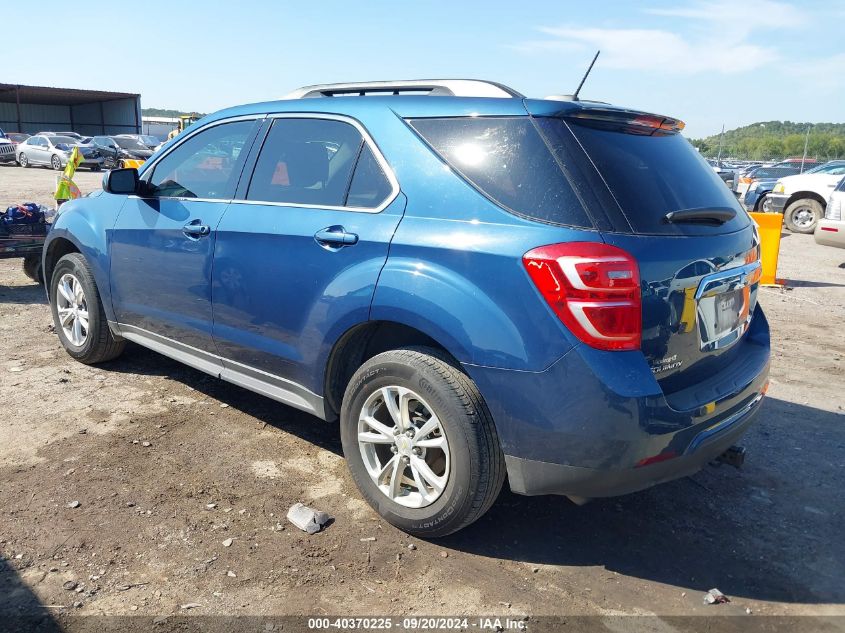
<point>427,87</point>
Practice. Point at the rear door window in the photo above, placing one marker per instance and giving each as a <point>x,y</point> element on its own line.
<point>306,162</point>
<point>505,159</point>
<point>649,174</point>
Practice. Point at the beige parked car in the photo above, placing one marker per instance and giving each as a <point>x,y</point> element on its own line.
<point>831,228</point>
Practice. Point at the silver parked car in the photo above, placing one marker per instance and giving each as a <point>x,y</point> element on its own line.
<point>54,151</point>
<point>830,231</point>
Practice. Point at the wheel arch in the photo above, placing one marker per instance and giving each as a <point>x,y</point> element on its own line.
<point>805,195</point>
<point>80,230</point>
<point>360,343</point>
<point>54,251</point>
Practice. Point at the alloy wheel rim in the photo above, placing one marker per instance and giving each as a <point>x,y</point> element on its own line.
<point>56,163</point>
<point>803,217</point>
<point>404,447</point>
<point>72,308</point>
<point>23,159</point>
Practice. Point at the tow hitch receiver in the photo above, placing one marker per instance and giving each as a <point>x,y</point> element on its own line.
<point>734,456</point>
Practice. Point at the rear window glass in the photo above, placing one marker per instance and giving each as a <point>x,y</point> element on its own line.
<point>506,159</point>
<point>650,175</point>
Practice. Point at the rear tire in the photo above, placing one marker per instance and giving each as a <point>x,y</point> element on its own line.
<point>95,343</point>
<point>473,470</point>
<point>759,206</point>
<point>32,268</point>
<point>803,215</point>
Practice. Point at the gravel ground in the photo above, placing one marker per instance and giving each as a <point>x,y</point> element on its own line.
<point>183,482</point>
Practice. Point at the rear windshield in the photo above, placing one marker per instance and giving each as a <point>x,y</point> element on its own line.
<point>506,159</point>
<point>650,175</point>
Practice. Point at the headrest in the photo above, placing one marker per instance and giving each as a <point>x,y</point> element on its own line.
<point>307,163</point>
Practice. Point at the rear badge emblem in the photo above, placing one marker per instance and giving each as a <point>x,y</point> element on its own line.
<point>665,364</point>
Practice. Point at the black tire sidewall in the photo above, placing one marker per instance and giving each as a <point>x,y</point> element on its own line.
<point>53,164</point>
<point>25,162</point>
<point>447,513</point>
<point>71,264</point>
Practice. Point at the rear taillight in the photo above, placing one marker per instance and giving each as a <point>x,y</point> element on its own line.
<point>594,288</point>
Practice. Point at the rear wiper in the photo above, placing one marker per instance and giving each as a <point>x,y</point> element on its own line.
<point>713,217</point>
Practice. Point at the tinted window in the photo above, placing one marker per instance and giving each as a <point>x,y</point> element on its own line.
<point>650,173</point>
<point>370,186</point>
<point>306,161</point>
<point>506,160</point>
<point>206,165</point>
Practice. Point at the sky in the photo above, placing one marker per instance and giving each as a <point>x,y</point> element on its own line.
<point>707,62</point>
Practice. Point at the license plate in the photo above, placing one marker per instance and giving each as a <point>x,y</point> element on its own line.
<point>724,303</point>
<point>728,310</point>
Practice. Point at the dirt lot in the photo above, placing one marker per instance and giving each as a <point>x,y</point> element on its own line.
<point>168,464</point>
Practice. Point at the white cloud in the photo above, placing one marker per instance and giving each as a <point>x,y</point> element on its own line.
<point>718,40</point>
<point>749,15</point>
<point>663,51</point>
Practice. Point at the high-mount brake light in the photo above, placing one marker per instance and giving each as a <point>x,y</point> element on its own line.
<point>634,121</point>
<point>594,288</point>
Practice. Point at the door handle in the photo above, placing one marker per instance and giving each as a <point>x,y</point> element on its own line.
<point>335,237</point>
<point>196,229</point>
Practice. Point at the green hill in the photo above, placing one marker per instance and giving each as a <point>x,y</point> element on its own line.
<point>164,112</point>
<point>777,139</point>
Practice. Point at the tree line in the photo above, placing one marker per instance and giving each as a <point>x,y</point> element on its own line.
<point>777,139</point>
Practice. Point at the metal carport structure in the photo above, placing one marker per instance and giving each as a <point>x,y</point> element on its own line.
<point>35,108</point>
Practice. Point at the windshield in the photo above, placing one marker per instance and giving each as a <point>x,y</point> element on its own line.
<point>149,140</point>
<point>62,140</point>
<point>129,143</point>
<point>827,168</point>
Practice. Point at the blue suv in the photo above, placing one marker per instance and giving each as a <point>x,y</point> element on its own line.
<point>473,283</point>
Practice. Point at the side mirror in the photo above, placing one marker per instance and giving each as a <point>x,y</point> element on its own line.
<point>121,181</point>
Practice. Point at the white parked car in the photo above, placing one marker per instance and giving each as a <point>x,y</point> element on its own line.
<point>802,198</point>
<point>831,228</point>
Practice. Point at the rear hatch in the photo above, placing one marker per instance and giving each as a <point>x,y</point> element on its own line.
<point>695,246</point>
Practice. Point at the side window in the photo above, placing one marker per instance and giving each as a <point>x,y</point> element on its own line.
<point>306,161</point>
<point>369,186</point>
<point>205,166</point>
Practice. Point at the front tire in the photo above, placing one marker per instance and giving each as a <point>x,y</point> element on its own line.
<point>420,442</point>
<point>56,163</point>
<point>23,161</point>
<point>760,206</point>
<point>803,215</point>
<point>78,313</point>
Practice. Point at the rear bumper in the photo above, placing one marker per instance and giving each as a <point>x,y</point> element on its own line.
<point>778,202</point>
<point>585,426</point>
<point>830,233</point>
<point>529,477</point>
